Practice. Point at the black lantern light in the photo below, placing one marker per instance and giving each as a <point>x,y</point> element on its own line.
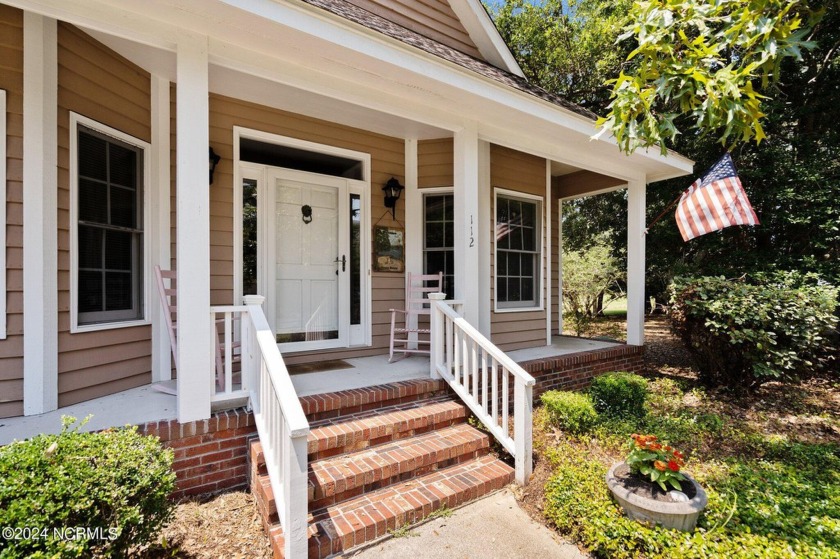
<point>392,190</point>
<point>214,160</point>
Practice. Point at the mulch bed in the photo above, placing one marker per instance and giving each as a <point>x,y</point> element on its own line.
<point>225,525</point>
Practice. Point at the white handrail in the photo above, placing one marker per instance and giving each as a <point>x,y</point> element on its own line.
<point>281,424</point>
<point>475,368</point>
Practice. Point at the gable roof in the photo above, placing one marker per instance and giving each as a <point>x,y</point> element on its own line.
<point>484,33</point>
<point>379,24</point>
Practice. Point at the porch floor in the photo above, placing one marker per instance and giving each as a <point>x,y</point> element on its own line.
<point>143,404</point>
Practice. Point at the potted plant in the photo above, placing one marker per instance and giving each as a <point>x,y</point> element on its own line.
<point>651,487</point>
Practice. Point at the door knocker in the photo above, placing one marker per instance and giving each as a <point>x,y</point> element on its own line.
<point>306,210</point>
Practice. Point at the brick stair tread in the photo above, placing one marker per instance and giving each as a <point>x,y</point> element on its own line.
<point>370,516</point>
<point>365,429</point>
<point>332,479</point>
<point>360,399</point>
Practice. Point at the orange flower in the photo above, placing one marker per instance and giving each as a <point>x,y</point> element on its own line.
<point>655,446</point>
<point>673,466</point>
<point>668,448</point>
<point>679,454</point>
<point>660,465</point>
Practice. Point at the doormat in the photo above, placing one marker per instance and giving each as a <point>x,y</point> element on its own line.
<point>318,367</point>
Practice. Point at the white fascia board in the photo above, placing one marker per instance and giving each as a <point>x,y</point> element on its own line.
<point>485,35</point>
<point>105,18</point>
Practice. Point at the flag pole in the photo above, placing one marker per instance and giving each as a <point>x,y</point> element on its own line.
<point>657,218</point>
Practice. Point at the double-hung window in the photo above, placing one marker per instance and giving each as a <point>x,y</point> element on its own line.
<point>518,256</point>
<point>439,239</point>
<point>107,185</point>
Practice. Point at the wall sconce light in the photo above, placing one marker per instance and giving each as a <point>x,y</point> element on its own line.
<point>214,160</point>
<point>392,190</point>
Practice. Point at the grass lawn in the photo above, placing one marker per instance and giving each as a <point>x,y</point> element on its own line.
<point>769,461</point>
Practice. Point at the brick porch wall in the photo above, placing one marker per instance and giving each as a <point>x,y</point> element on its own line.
<point>576,371</point>
<point>210,455</point>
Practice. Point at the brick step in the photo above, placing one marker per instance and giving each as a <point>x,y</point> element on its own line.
<point>346,402</point>
<point>370,516</point>
<point>336,479</point>
<point>340,435</point>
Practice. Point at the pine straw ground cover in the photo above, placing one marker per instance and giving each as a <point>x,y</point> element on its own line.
<point>770,462</point>
<point>220,526</point>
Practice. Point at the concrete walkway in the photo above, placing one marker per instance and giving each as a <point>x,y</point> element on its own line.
<point>492,528</point>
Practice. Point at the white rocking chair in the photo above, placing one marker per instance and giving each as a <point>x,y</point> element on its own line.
<point>413,333</point>
<point>168,300</point>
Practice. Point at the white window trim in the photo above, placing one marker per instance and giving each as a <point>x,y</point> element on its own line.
<point>361,186</point>
<point>431,191</point>
<point>75,121</point>
<point>540,306</point>
<point>2,214</point>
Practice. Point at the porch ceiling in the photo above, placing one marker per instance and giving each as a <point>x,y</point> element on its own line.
<point>249,87</point>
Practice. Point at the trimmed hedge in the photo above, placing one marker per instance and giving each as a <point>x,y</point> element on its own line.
<point>83,494</point>
<point>619,394</point>
<point>755,329</point>
<point>571,411</point>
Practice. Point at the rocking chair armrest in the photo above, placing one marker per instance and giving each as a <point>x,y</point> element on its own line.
<point>398,310</point>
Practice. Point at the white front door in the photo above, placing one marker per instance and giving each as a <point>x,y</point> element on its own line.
<point>308,228</point>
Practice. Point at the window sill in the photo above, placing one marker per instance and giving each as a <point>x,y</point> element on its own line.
<point>79,329</point>
<point>518,309</point>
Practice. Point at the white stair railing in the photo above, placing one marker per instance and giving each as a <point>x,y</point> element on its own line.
<point>281,424</point>
<point>480,373</point>
<point>227,322</point>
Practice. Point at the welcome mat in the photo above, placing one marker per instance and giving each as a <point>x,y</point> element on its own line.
<point>318,367</point>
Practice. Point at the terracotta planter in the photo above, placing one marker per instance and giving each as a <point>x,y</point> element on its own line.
<point>667,511</point>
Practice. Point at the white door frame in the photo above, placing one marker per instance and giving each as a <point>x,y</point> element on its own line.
<point>359,335</point>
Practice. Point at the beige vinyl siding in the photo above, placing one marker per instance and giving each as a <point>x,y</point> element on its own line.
<point>431,18</point>
<point>387,160</point>
<point>435,163</point>
<point>11,80</point>
<point>99,84</point>
<point>519,172</point>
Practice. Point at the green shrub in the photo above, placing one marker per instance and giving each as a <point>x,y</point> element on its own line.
<point>83,494</point>
<point>572,411</point>
<point>755,329</point>
<point>619,394</point>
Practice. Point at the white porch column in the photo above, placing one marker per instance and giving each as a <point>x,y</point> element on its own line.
<point>413,224</point>
<point>195,343</point>
<point>560,267</point>
<point>548,249</point>
<point>161,348</point>
<point>467,225</point>
<point>636,262</point>
<point>483,238</point>
<point>40,236</point>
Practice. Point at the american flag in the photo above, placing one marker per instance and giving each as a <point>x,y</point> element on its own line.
<point>714,201</point>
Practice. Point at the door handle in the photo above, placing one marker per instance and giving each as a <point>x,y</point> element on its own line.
<point>343,261</point>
